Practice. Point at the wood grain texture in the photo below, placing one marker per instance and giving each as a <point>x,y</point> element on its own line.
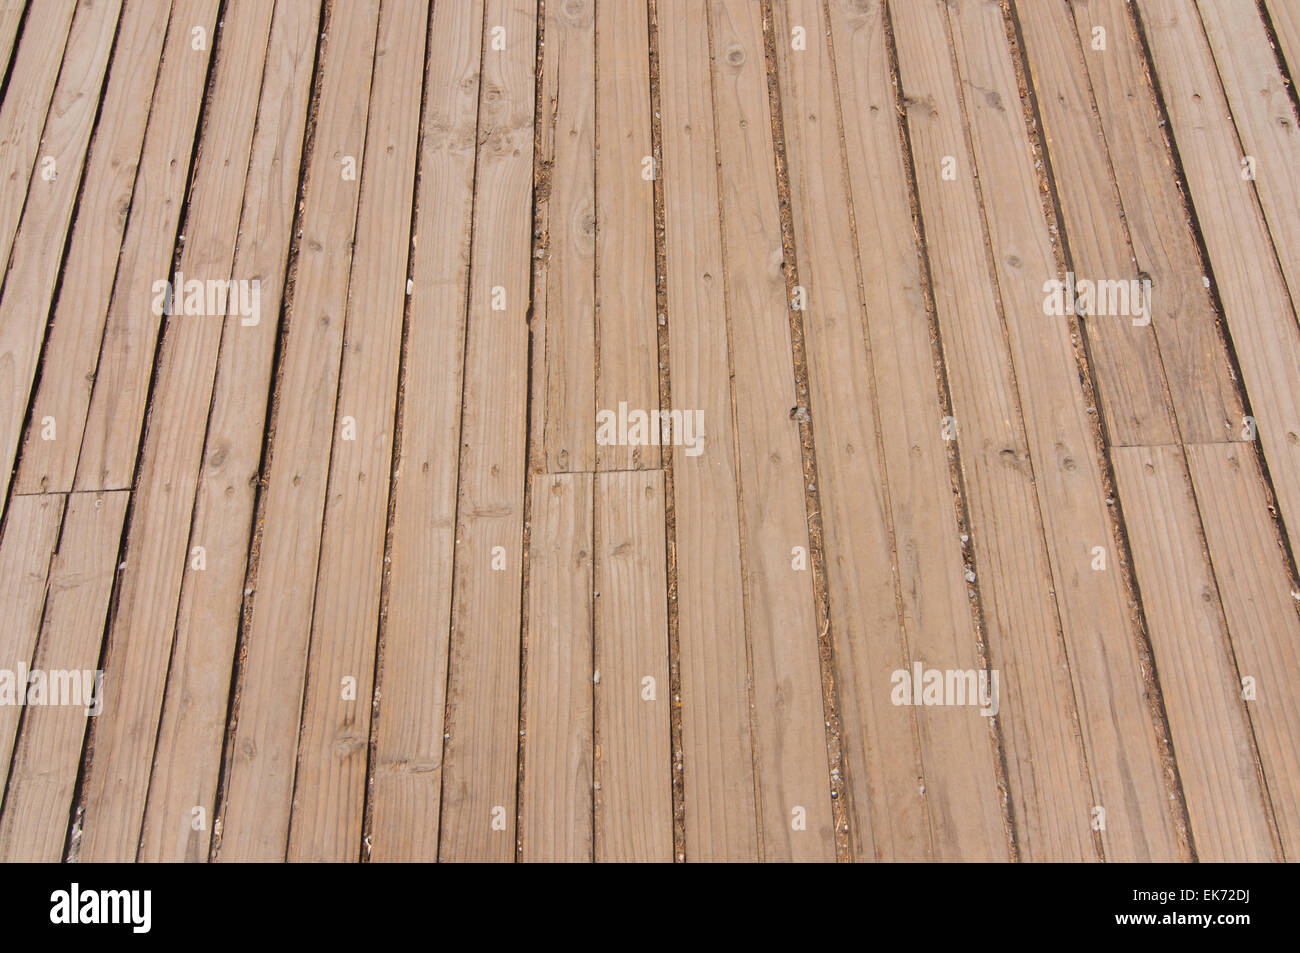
<point>717,753</point>
<point>480,757</point>
<point>37,249</point>
<point>1211,731</point>
<point>417,628</point>
<point>1259,604</point>
<point>47,757</point>
<point>111,432</point>
<point>329,785</point>
<point>1262,112</point>
<point>31,534</point>
<point>187,757</point>
<point>74,337</point>
<point>627,337</point>
<point>911,796</point>
<point>568,358</point>
<point>26,105</point>
<point>142,637</point>
<point>1258,312</point>
<point>633,803</point>
<point>556,809</point>
<point>259,792</point>
<point>790,739</point>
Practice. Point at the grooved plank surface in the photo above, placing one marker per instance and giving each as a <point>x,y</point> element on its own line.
<point>634,804</point>
<point>650,430</point>
<point>67,687</point>
<point>556,810</point>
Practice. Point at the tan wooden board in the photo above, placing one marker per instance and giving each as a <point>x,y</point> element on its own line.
<point>47,757</point>
<point>187,758</point>
<point>556,806</point>
<point>37,249</point>
<point>480,757</point>
<point>1211,731</point>
<point>159,547</point>
<point>1259,315</point>
<point>262,757</point>
<point>1260,605</point>
<point>31,533</point>
<point>627,346</point>
<point>333,744</point>
<point>413,678</point>
<point>717,755</point>
<point>73,340</point>
<point>633,803</point>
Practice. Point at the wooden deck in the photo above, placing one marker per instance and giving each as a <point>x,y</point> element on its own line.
<point>650,430</point>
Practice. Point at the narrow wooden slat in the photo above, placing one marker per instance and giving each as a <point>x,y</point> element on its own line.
<point>920,784</point>
<point>1262,112</point>
<point>72,343</point>
<point>1260,316</point>
<point>142,635</point>
<point>717,756</point>
<point>188,753</point>
<point>11,15</point>
<point>627,338</point>
<point>634,804</point>
<point>333,743</point>
<point>481,755</point>
<point>110,431</point>
<point>48,753</point>
<point>556,808</point>
<point>1260,606</point>
<point>408,754</point>
<point>259,792</point>
<point>790,748</point>
<point>1211,731</point>
<point>26,103</point>
<point>1180,347</point>
<point>37,248</point>
<point>568,360</point>
<point>1049,785</point>
<point>1285,17</point>
<point>1123,751</point>
<point>30,535</point>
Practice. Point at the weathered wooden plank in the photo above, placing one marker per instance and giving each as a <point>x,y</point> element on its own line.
<point>920,784</point>
<point>1285,17</point>
<point>1259,604</point>
<point>413,679</point>
<point>187,757</point>
<point>34,826</point>
<point>72,343</point>
<point>717,756</point>
<point>790,738</point>
<point>260,775</point>
<point>31,532</point>
<point>1211,731</point>
<point>556,812</point>
<point>627,337</point>
<point>142,636</point>
<point>114,421</point>
<point>11,16</point>
<point>634,802</point>
<point>37,248</point>
<point>1124,220</point>
<point>26,105</point>
<point>480,758</point>
<point>1259,315</point>
<point>568,359</point>
<point>1048,779</point>
<point>1262,112</point>
<point>333,746</point>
